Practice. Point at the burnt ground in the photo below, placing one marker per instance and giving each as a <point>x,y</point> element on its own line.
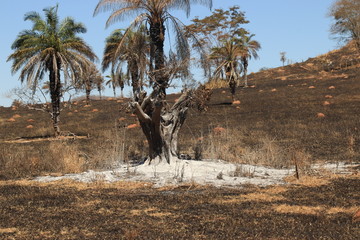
<point>68,210</point>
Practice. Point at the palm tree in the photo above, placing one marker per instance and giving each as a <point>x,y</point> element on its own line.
<point>99,85</point>
<point>132,49</point>
<point>229,56</point>
<point>51,46</point>
<point>346,14</point>
<point>116,80</point>
<point>249,48</point>
<point>90,79</point>
<point>160,126</point>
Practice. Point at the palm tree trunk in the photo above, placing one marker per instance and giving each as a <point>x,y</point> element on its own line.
<point>55,93</point>
<point>88,91</point>
<point>157,35</point>
<point>114,90</point>
<point>135,82</point>
<point>232,83</point>
<point>151,65</point>
<point>99,90</point>
<point>245,63</point>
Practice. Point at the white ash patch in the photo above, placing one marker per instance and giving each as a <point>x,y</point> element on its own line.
<point>207,172</point>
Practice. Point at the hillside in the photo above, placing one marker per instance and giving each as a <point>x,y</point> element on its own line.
<point>308,111</point>
<point>299,115</point>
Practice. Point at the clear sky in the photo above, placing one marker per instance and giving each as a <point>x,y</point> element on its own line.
<point>299,28</point>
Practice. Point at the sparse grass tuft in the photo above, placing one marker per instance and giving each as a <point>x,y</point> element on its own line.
<point>217,84</point>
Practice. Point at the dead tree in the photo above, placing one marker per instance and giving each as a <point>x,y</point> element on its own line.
<point>161,122</point>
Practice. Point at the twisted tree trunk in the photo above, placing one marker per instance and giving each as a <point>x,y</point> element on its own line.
<point>161,125</point>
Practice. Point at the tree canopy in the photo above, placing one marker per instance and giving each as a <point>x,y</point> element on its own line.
<point>229,45</point>
<point>131,50</point>
<point>220,26</point>
<point>346,14</point>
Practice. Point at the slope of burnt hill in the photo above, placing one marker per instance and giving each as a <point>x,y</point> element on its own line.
<point>313,107</point>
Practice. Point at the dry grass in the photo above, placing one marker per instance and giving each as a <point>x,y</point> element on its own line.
<point>313,210</point>
<point>217,84</point>
<point>233,145</point>
<point>306,180</point>
<point>4,231</point>
<point>22,160</point>
<point>251,197</point>
<point>307,210</point>
<point>68,157</point>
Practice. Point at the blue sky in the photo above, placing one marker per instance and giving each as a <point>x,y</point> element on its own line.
<point>300,28</point>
